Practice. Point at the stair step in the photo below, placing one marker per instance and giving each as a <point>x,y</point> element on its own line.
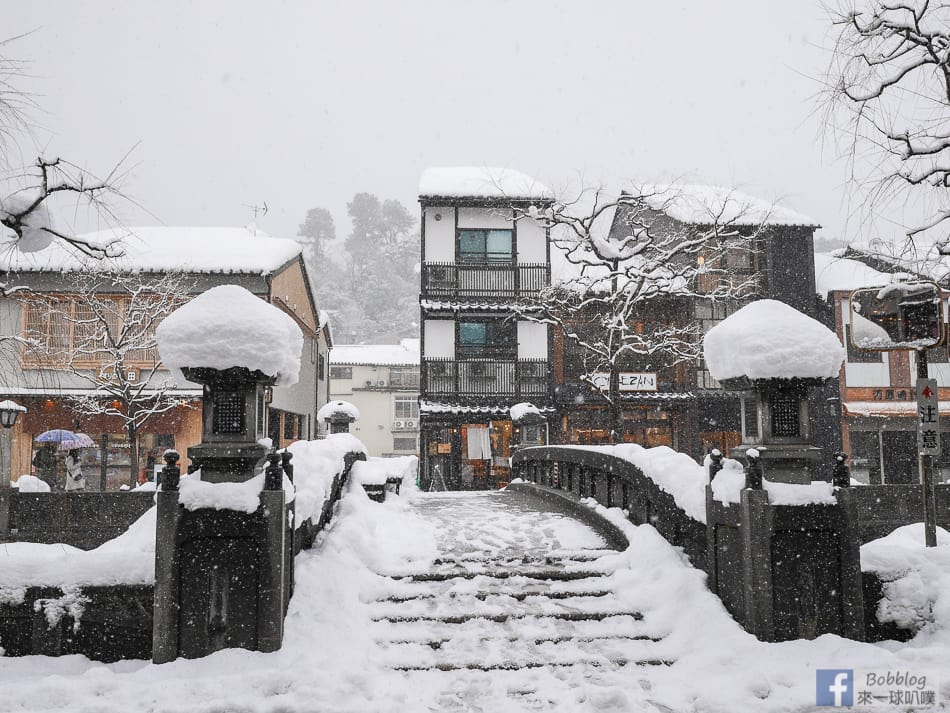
<point>439,643</point>
<point>502,617</point>
<point>520,665</point>
<point>482,596</point>
<point>555,556</point>
<point>528,628</point>
<point>456,588</point>
<point>538,574</point>
<point>498,605</point>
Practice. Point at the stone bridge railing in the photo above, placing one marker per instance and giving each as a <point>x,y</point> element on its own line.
<point>784,571</point>
<point>613,482</point>
<point>117,620</point>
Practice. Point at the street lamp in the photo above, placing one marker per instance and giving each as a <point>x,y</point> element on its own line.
<point>9,410</point>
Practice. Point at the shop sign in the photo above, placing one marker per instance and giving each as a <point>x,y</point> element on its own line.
<point>629,380</point>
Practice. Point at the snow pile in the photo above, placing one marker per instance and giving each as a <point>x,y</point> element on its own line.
<point>916,578</point>
<point>675,473</point>
<point>707,205</point>
<point>30,484</point>
<point>480,182</point>
<point>316,464</point>
<point>519,411</point>
<point>162,249</point>
<point>196,494</point>
<point>375,471</point>
<point>35,226</point>
<point>728,485</point>
<point>127,559</point>
<point>227,326</point>
<point>768,339</point>
<point>332,408</point>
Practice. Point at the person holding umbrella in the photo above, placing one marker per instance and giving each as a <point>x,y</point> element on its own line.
<point>44,462</point>
<point>75,480</point>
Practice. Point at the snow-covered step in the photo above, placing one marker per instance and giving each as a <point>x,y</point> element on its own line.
<point>495,605</point>
<point>527,628</point>
<point>524,573</point>
<point>519,653</point>
<point>584,591</point>
<point>514,586</point>
<point>550,556</point>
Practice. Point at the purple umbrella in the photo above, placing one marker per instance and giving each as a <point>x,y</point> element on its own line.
<point>79,440</point>
<point>57,435</point>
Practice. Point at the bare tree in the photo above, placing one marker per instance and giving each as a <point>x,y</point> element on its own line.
<point>100,333</point>
<point>31,194</point>
<point>888,100</point>
<point>633,286</point>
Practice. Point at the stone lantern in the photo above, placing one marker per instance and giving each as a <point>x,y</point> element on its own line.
<point>530,425</point>
<point>223,573</point>
<point>232,422</point>
<point>773,354</point>
<point>338,415</point>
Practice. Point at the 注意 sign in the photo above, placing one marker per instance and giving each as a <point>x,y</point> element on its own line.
<point>928,419</point>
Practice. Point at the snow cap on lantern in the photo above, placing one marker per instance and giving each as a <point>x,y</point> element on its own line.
<point>227,327</point>
<point>768,339</point>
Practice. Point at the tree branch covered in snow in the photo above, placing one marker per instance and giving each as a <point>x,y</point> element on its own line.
<point>888,100</point>
<point>31,194</point>
<point>635,273</point>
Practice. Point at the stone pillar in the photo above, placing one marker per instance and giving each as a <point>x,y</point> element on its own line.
<point>166,609</point>
<point>756,524</point>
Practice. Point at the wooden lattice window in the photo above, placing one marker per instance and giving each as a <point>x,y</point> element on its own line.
<point>786,420</point>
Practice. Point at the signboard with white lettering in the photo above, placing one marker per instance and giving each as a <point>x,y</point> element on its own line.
<point>928,419</point>
<point>629,381</point>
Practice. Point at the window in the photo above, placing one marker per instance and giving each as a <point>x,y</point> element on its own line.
<point>290,426</point>
<point>341,372</point>
<point>860,356</point>
<point>485,245</point>
<point>487,338</point>
<point>322,368</point>
<point>405,407</point>
<point>406,378</point>
<point>404,444</point>
<point>110,330</point>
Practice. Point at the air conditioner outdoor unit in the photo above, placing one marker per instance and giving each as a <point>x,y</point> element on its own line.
<point>381,382</point>
<point>439,274</point>
<point>399,424</point>
<point>410,423</point>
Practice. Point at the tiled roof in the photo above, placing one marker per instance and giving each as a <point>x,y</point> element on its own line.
<point>500,409</point>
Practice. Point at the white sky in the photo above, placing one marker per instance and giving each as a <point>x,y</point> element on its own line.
<point>302,104</point>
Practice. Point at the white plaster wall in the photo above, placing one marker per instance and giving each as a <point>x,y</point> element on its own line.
<point>439,339</point>
<point>485,218</point>
<point>532,340</point>
<point>440,234</point>
<point>864,374</point>
<point>532,246</point>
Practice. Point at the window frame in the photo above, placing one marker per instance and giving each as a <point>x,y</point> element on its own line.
<point>484,255</point>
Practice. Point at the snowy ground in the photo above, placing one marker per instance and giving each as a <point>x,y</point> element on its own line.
<point>337,658</point>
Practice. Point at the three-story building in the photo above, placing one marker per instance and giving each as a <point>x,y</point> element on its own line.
<point>483,258</point>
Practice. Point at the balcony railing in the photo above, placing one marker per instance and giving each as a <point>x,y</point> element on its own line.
<point>477,379</point>
<point>484,281</point>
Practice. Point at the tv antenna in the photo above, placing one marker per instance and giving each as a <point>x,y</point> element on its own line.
<point>257,210</point>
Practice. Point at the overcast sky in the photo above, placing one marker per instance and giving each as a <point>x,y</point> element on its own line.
<point>302,104</point>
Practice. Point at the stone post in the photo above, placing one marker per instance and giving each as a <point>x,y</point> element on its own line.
<point>166,609</point>
<point>757,563</point>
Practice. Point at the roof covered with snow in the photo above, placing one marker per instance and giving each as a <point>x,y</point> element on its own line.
<point>480,182</point>
<point>226,327</point>
<point>704,205</point>
<point>833,273</point>
<point>406,353</point>
<point>163,249</point>
<point>768,339</point>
